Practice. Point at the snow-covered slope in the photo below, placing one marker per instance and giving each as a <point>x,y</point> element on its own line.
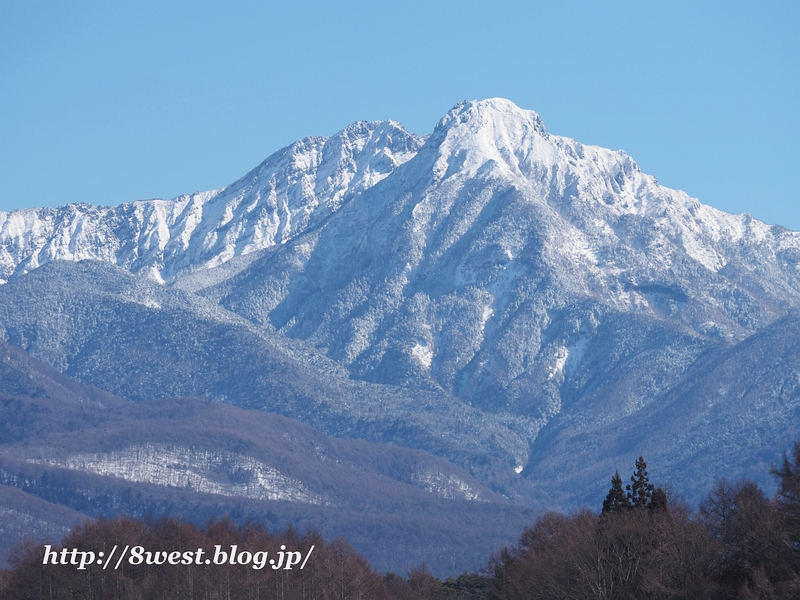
<point>210,472</point>
<point>597,215</point>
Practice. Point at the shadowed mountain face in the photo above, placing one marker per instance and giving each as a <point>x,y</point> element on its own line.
<point>536,311</point>
<point>69,452</point>
<point>733,413</point>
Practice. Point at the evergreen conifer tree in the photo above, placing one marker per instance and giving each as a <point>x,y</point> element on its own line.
<point>640,490</point>
<point>659,500</point>
<point>788,497</point>
<point>616,501</point>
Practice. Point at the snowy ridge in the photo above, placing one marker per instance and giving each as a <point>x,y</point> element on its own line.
<point>587,194</point>
<point>445,485</point>
<point>289,192</point>
<point>592,192</point>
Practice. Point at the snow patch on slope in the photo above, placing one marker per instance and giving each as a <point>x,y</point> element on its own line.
<point>445,485</point>
<point>211,472</point>
<point>423,354</point>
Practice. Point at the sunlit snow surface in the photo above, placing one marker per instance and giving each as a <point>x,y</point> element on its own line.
<point>445,486</point>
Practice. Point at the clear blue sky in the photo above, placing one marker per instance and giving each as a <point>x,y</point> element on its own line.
<point>106,102</point>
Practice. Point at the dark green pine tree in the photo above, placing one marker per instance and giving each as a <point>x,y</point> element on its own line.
<point>640,490</point>
<point>616,501</point>
<point>788,497</point>
<point>659,501</point>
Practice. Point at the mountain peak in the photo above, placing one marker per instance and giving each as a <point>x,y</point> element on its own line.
<point>492,112</point>
<point>479,133</point>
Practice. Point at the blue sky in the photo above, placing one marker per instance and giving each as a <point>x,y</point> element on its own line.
<point>107,102</point>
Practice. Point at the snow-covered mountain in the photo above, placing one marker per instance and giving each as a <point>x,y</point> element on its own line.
<point>518,269</point>
<point>549,288</point>
<point>597,217</point>
<point>594,197</point>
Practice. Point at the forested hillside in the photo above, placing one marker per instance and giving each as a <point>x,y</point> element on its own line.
<point>642,544</point>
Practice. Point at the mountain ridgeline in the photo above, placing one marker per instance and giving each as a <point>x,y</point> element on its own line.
<point>526,308</point>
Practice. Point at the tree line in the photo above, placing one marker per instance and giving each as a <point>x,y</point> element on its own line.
<point>642,544</point>
<point>333,569</point>
<point>739,544</point>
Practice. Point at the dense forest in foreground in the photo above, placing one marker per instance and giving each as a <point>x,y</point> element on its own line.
<point>642,544</point>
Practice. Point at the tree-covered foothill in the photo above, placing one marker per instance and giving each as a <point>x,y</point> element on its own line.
<point>643,544</point>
